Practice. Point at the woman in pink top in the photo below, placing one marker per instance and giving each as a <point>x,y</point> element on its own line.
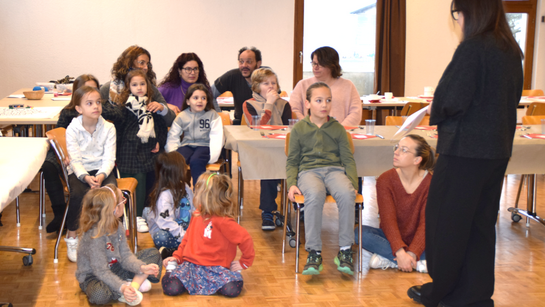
<point>402,193</point>
<point>346,106</point>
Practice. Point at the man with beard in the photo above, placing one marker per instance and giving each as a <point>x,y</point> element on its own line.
<point>237,81</point>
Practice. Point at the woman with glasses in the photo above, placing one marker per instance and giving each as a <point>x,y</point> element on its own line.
<point>186,70</point>
<point>474,108</point>
<point>402,193</point>
<point>346,105</point>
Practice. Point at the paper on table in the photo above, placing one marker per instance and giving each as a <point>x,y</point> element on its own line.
<point>16,96</point>
<point>61,99</point>
<point>411,122</point>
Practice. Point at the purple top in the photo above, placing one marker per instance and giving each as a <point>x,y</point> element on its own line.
<point>175,94</point>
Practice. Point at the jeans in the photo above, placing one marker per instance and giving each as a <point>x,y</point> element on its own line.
<point>373,240</point>
<point>163,238</point>
<point>197,158</point>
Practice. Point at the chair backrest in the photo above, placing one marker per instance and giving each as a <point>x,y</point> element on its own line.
<point>226,94</point>
<point>412,107</point>
<point>287,143</point>
<point>57,138</point>
<point>243,120</point>
<point>532,120</point>
<point>225,118</point>
<point>534,92</point>
<point>536,108</point>
<point>293,115</point>
<point>398,121</point>
<point>283,94</point>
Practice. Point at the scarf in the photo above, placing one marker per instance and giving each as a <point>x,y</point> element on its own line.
<point>276,112</point>
<point>145,120</point>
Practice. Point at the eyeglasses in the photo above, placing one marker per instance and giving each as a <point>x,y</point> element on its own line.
<point>249,62</point>
<point>314,64</point>
<point>189,70</point>
<point>122,203</point>
<point>455,14</point>
<point>142,63</point>
<point>404,150</point>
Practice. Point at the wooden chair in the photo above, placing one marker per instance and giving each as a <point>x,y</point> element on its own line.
<point>534,92</point>
<point>412,107</point>
<point>283,94</point>
<point>216,166</point>
<point>299,203</point>
<point>536,108</point>
<point>57,138</point>
<point>398,121</point>
<point>226,94</point>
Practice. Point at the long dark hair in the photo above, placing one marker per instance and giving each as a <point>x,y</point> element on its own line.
<point>198,87</point>
<point>486,16</point>
<point>173,78</point>
<point>125,62</point>
<point>170,174</point>
<point>328,57</point>
<point>79,82</point>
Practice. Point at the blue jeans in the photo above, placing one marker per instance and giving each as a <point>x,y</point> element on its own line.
<point>197,158</point>
<point>163,238</point>
<point>373,240</point>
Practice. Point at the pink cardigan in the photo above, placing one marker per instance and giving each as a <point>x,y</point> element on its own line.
<point>346,106</point>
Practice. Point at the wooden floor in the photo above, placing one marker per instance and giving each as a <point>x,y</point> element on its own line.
<point>271,281</point>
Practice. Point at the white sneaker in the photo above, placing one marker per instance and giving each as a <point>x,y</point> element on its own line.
<point>137,301</point>
<point>422,266</point>
<point>379,262</point>
<point>144,287</point>
<point>72,248</point>
<point>141,225</point>
<point>171,266</point>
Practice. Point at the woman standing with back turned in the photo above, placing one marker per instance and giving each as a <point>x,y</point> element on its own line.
<point>474,109</point>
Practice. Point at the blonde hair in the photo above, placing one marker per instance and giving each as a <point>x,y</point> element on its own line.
<point>97,209</point>
<point>214,196</point>
<point>259,75</point>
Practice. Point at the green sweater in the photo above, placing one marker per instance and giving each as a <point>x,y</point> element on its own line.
<point>312,147</point>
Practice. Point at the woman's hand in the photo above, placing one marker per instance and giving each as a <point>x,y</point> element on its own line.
<point>156,149</point>
<point>429,108</point>
<point>236,266</point>
<point>150,269</point>
<point>155,107</point>
<point>293,190</point>
<point>92,181</point>
<point>128,292</point>
<point>99,179</point>
<point>405,262</point>
<point>174,108</point>
<point>167,260</point>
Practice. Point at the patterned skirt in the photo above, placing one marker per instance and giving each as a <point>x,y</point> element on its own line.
<point>204,280</point>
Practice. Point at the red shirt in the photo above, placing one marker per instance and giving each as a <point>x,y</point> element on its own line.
<point>213,241</point>
<point>403,215</point>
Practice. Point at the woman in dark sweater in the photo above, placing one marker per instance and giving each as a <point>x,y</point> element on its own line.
<point>474,109</point>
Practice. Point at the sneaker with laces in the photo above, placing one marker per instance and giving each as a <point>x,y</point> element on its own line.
<point>379,262</point>
<point>141,225</point>
<point>267,221</point>
<point>137,301</point>
<point>422,266</point>
<point>72,248</point>
<point>314,264</point>
<point>344,261</point>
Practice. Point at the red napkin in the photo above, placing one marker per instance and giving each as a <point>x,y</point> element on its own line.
<point>534,136</point>
<point>270,127</point>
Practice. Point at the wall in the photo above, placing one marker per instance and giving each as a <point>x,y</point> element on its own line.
<point>538,78</point>
<point>41,41</point>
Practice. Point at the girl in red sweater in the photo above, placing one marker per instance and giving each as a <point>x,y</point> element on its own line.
<point>402,193</point>
<point>205,258</point>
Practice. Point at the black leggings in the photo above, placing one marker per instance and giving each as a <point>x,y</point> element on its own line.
<point>54,187</point>
<point>173,286</point>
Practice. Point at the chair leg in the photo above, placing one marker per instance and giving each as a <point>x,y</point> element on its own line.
<point>42,201</point>
<point>56,259</point>
<point>297,236</point>
<point>285,229</point>
<point>133,234</point>
<point>17,212</point>
<point>522,178</point>
<point>240,193</point>
<point>360,254</point>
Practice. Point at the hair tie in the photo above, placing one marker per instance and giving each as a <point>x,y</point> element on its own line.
<point>115,197</point>
<point>207,180</point>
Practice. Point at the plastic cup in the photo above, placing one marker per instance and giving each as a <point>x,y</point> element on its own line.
<point>256,119</point>
<point>543,126</point>
<point>292,123</point>
<point>370,126</point>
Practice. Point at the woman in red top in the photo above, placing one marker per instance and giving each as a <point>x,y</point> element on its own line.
<point>402,193</point>
<point>205,258</point>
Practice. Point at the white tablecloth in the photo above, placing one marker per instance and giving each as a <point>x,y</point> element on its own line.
<point>20,160</point>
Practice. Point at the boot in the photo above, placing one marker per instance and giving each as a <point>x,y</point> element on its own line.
<point>55,224</point>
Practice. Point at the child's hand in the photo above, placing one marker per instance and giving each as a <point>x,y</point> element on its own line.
<point>293,190</point>
<point>174,108</point>
<point>167,260</point>
<point>66,161</point>
<point>235,266</point>
<point>150,269</point>
<point>128,292</point>
<point>99,179</point>
<point>156,149</point>
<point>91,181</point>
<point>272,96</point>
<point>154,107</point>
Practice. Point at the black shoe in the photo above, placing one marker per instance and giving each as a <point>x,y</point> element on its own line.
<point>267,221</point>
<point>415,292</point>
<point>54,225</point>
<point>166,252</point>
